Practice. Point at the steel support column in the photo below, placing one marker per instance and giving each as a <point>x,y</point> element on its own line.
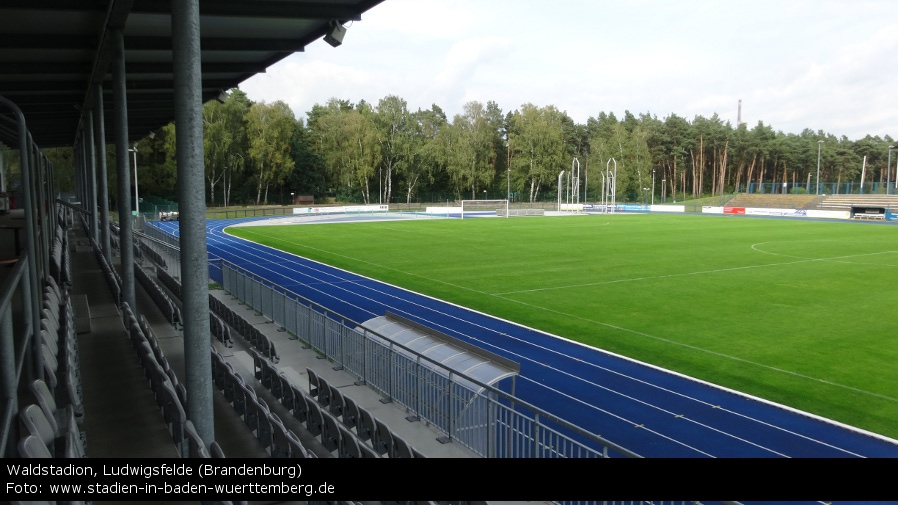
<point>46,226</point>
<point>81,162</point>
<point>123,169</point>
<point>90,152</point>
<point>102,182</point>
<point>192,219</point>
<point>79,173</point>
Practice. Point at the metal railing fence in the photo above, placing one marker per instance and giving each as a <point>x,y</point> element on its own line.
<point>16,336</point>
<point>823,188</point>
<point>488,421</point>
<point>472,413</point>
<point>20,351</point>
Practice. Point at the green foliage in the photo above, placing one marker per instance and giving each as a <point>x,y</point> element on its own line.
<point>536,148</point>
<point>469,148</point>
<point>270,131</point>
<point>352,150</point>
<point>225,141</point>
<point>350,145</point>
<point>766,307</point>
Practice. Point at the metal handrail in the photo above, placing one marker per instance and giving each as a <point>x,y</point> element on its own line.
<point>488,389</point>
<point>541,416</point>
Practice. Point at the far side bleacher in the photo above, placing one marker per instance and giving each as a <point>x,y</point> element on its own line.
<point>815,202</point>
<point>775,201</point>
<point>848,201</point>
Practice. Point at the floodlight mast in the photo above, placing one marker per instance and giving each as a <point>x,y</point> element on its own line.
<point>567,189</point>
<point>611,181</point>
<point>819,143</point>
<point>136,196</point>
<point>889,170</point>
<point>653,186</point>
<point>586,183</point>
<point>560,178</point>
<point>575,189</point>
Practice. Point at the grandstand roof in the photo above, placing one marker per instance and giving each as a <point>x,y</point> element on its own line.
<point>52,51</point>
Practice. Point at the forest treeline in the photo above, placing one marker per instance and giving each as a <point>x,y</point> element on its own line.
<point>260,153</point>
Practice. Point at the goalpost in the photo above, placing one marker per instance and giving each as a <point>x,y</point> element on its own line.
<point>484,207</point>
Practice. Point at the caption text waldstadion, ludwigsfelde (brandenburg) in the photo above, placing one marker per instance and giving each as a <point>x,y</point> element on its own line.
<point>193,479</point>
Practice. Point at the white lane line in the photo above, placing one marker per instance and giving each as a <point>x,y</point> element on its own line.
<point>643,334</point>
<point>546,348</point>
<point>620,418</point>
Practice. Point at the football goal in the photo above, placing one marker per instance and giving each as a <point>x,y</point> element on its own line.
<point>482,208</point>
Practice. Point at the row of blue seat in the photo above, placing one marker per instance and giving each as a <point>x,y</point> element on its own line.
<point>359,435</point>
<point>115,233</point>
<point>59,346</point>
<point>302,407</point>
<point>60,266</point>
<point>265,425</point>
<point>250,333</point>
<point>170,393</point>
<point>278,440</point>
<point>220,330</point>
<point>50,425</point>
<point>343,439</point>
<point>152,253</point>
<point>367,429</point>
<point>113,279</point>
<point>169,308</point>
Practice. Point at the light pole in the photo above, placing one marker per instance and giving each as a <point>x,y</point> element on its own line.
<point>889,170</point>
<point>136,197</point>
<point>508,184</point>
<point>508,170</point>
<point>819,143</point>
<point>653,186</point>
<point>292,199</point>
<point>560,178</point>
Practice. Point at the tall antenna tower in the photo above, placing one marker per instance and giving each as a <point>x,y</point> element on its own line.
<point>739,115</point>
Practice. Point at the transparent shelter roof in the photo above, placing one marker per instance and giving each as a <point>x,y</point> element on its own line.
<point>463,359</point>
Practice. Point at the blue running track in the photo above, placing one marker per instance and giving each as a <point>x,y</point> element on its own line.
<point>652,412</point>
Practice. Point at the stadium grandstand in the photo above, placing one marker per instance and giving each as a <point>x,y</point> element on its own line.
<point>112,351</point>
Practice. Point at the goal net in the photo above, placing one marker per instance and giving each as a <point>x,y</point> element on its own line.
<point>483,208</point>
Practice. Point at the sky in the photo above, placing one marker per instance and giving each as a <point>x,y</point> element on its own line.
<point>828,65</point>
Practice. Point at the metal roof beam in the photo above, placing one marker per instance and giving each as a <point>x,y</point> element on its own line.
<point>13,68</point>
<point>43,67</point>
<point>22,42</point>
<point>56,5</point>
<point>260,9</point>
<point>145,43</point>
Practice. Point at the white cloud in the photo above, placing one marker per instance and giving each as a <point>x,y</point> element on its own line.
<point>803,64</point>
<point>420,19</point>
<point>466,57</point>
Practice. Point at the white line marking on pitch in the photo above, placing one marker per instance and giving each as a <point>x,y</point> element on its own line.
<point>645,334</point>
<point>662,339</point>
<point>699,272</point>
<point>715,353</point>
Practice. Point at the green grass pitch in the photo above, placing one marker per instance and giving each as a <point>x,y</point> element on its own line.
<point>802,313</point>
